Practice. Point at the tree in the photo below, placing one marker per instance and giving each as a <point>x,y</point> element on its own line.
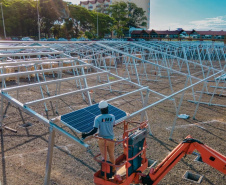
<point>127,15</point>
<point>21,17</point>
<point>56,29</point>
<point>51,11</point>
<point>88,35</point>
<point>119,12</point>
<point>80,19</point>
<point>85,20</point>
<point>136,15</point>
<point>68,28</point>
<point>63,19</point>
<point>105,23</point>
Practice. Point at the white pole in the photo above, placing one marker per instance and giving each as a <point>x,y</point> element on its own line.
<point>149,16</point>
<point>3,22</point>
<point>97,26</point>
<point>38,22</point>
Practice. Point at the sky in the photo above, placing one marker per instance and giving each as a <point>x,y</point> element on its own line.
<point>186,14</point>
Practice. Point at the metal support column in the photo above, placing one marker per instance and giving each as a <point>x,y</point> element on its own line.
<point>145,112</point>
<point>199,101</point>
<point>86,86</point>
<point>49,156</point>
<point>1,113</point>
<point>178,109</point>
<point>217,83</point>
<point>185,56</point>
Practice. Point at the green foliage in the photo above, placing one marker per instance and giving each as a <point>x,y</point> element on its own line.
<point>50,12</point>
<point>62,19</point>
<point>56,30</point>
<point>80,18</point>
<point>126,15</point>
<point>105,23</point>
<point>86,21</point>
<point>119,12</point>
<point>21,16</point>
<point>89,35</point>
<point>136,15</point>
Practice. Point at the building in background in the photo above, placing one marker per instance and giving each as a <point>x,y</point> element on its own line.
<point>179,34</point>
<point>104,4</point>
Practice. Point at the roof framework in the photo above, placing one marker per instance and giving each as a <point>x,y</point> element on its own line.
<point>95,67</point>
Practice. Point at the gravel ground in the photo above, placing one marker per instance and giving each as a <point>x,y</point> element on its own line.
<point>23,154</point>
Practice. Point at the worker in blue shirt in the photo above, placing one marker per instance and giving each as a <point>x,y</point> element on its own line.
<point>104,123</point>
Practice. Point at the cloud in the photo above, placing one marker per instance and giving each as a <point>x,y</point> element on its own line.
<point>165,26</point>
<point>215,23</point>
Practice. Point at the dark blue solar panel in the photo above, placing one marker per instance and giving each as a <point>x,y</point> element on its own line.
<point>83,119</point>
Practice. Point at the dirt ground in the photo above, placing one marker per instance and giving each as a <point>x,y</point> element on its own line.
<point>23,154</point>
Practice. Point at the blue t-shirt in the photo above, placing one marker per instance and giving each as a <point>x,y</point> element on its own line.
<point>105,123</point>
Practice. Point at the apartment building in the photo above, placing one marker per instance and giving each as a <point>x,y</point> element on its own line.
<point>102,6</point>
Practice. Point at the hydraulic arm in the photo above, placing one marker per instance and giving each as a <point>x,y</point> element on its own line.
<point>208,155</point>
<point>133,162</point>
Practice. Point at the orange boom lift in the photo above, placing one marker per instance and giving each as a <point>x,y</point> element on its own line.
<point>133,162</point>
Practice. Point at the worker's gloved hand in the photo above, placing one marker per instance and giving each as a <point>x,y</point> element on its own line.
<point>84,135</point>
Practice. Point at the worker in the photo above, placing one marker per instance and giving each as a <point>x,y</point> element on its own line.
<point>104,123</point>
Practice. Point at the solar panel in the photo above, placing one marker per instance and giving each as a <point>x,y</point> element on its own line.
<point>82,120</point>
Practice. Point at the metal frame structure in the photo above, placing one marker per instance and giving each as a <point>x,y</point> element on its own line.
<point>143,63</point>
<point>165,57</point>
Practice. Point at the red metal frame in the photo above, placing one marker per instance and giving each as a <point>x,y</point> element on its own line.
<point>126,180</point>
<point>209,156</point>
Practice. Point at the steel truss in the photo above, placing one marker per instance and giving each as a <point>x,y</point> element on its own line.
<point>142,62</point>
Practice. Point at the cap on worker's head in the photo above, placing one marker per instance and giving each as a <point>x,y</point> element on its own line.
<point>103,104</point>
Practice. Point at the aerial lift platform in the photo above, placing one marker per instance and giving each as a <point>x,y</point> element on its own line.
<point>133,162</point>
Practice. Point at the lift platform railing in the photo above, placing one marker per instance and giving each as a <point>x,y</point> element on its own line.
<point>123,159</point>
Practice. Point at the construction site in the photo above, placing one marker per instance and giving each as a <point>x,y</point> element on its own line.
<point>169,90</point>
